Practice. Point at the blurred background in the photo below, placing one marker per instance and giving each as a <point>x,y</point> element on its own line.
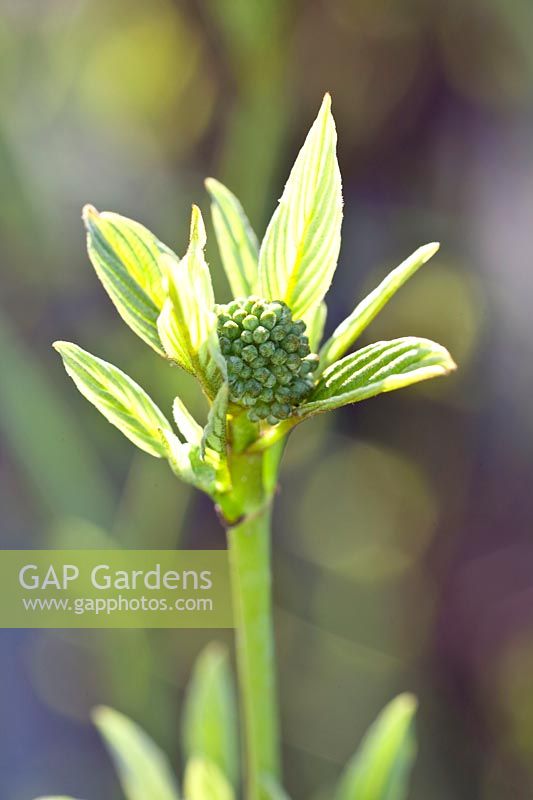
<point>403,543</point>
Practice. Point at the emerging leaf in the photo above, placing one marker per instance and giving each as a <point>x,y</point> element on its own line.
<point>122,401</point>
<point>237,242</point>
<point>210,716</point>
<point>377,368</point>
<point>186,462</point>
<point>188,319</point>
<point>215,431</point>
<point>191,430</point>
<point>142,767</point>
<point>299,253</point>
<point>380,769</point>
<point>205,781</point>
<point>348,331</point>
<point>125,256</point>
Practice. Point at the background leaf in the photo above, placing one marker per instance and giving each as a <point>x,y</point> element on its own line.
<point>205,781</point>
<point>380,769</point>
<point>237,241</point>
<point>351,328</point>
<point>67,479</point>
<point>125,256</point>
<point>210,715</point>
<point>122,401</point>
<point>272,790</point>
<point>299,253</point>
<point>143,769</point>
<point>377,368</point>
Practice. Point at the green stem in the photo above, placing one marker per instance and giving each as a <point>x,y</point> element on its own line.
<point>253,477</point>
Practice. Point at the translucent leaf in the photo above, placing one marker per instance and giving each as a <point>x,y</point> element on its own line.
<point>143,769</point>
<point>215,430</point>
<point>122,401</point>
<point>191,430</point>
<point>348,331</point>
<point>237,242</point>
<point>187,320</point>
<point>380,769</point>
<point>205,781</point>
<point>210,715</point>
<point>299,253</point>
<point>380,367</point>
<point>126,256</point>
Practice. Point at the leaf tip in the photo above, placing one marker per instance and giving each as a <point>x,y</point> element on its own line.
<point>407,703</point>
<point>197,232</point>
<point>427,251</point>
<point>211,184</point>
<point>89,214</point>
<point>99,715</point>
<point>59,346</point>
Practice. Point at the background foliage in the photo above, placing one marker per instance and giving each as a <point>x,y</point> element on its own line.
<point>426,586</point>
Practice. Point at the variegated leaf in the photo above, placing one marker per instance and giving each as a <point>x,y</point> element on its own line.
<point>377,368</point>
<point>122,401</point>
<point>191,430</point>
<point>237,242</point>
<point>125,256</point>
<point>351,328</point>
<point>299,253</point>
<point>188,319</point>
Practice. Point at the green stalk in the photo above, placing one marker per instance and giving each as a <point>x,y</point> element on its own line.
<point>249,543</point>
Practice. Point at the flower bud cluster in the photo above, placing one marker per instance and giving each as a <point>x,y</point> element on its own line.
<point>269,362</point>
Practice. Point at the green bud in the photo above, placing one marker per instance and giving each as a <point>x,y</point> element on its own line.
<point>268,319</point>
<point>225,345</point>
<point>267,350</point>
<point>262,374</point>
<point>291,343</point>
<point>231,329</point>
<point>278,333</point>
<point>250,352</point>
<point>235,364</point>
<point>250,323</point>
<point>260,335</point>
<point>253,388</point>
